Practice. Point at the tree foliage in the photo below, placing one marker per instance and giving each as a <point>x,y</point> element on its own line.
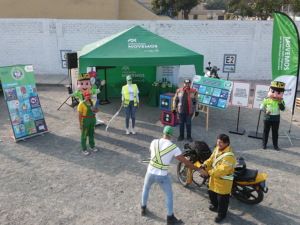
<point>260,8</point>
<point>173,7</point>
<point>216,4</point>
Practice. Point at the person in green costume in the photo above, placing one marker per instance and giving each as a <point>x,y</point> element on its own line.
<point>87,121</point>
<point>84,84</point>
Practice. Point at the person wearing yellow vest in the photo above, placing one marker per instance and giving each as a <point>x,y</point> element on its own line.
<point>271,106</point>
<point>222,162</point>
<point>162,151</point>
<point>130,101</point>
<point>87,121</point>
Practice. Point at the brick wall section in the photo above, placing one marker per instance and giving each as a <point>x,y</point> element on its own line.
<point>39,41</point>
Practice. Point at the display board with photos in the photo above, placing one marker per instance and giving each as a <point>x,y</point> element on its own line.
<point>24,107</point>
<point>260,93</point>
<point>212,92</point>
<point>240,94</point>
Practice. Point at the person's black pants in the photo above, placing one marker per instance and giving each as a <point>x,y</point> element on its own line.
<point>275,128</point>
<point>219,201</point>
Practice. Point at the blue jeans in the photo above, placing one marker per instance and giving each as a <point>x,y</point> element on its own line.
<point>164,183</point>
<point>185,118</point>
<point>130,111</point>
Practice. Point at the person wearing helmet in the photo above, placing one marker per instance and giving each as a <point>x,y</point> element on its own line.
<point>271,106</point>
<point>222,162</point>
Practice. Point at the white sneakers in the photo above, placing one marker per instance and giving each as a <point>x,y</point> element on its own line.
<point>132,131</point>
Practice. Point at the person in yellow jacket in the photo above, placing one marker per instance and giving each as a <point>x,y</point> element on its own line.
<point>222,162</point>
<point>130,101</point>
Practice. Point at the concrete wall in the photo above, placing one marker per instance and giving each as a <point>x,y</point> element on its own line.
<point>39,41</point>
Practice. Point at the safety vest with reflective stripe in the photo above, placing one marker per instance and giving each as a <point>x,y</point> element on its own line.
<point>156,161</point>
<point>227,177</point>
<point>272,106</point>
<point>126,95</point>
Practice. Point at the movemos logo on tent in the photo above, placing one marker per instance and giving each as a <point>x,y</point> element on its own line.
<point>132,44</point>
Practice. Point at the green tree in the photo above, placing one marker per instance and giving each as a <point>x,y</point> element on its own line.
<point>260,8</point>
<point>173,7</point>
<point>216,4</point>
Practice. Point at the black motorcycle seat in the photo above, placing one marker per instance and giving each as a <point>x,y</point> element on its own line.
<point>248,175</point>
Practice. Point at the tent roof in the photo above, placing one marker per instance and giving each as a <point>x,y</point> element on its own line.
<point>138,47</point>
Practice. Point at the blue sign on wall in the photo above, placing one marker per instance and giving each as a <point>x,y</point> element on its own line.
<point>229,63</point>
<point>64,58</point>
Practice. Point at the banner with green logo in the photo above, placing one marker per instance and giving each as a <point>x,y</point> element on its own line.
<point>142,76</point>
<point>22,100</point>
<point>212,92</point>
<point>285,56</point>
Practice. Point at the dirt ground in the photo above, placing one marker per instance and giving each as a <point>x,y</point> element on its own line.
<point>47,179</point>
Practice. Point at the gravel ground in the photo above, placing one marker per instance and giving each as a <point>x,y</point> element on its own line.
<point>47,179</point>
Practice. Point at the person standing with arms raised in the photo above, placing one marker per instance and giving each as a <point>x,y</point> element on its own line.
<point>186,102</point>
<point>130,101</point>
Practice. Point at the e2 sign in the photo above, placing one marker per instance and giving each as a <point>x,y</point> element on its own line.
<point>229,63</point>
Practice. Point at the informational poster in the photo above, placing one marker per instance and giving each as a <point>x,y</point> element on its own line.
<point>22,100</point>
<point>240,94</point>
<point>260,93</point>
<point>168,73</point>
<point>212,92</point>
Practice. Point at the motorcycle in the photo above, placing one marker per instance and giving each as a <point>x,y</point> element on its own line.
<point>211,71</point>
<point>248,187</point>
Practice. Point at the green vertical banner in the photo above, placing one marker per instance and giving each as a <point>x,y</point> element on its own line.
<point>23,102</point>
<point>285,56</point>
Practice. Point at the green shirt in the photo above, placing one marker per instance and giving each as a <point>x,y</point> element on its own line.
<point>272,106</point>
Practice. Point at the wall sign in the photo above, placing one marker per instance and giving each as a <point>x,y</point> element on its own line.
<point>64,58</point>
<point>229,63</point>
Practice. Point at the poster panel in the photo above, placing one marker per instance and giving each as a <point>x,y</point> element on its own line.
<point>240,94</point>
<point>260,93</point>
<point>212,92</point>
<point>23,104</point>
<point>168,73</point>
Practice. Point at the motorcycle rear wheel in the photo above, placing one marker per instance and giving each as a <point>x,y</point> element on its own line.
<point>248,194</point>
<point>182,174</point>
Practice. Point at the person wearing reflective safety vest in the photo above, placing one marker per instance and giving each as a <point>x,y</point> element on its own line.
<point>271,106</point>
<point>222,162</point>
<point>130,101</point>
<point>162,151</point>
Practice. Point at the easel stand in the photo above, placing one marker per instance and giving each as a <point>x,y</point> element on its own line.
<point>256,134</point>
<point>74,100</point>
<point>237,130</point>
<point>105,100</point>
<point>204,109</point>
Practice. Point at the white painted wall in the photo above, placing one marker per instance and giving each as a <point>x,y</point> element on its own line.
<point>39,41</point>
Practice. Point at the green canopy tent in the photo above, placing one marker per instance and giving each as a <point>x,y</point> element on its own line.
<point>136,47</point>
